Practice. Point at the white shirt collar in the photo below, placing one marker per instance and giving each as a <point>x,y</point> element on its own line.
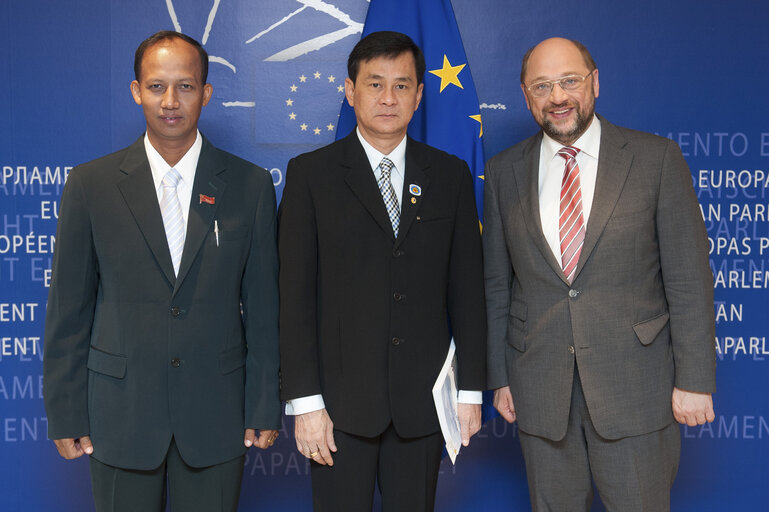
<point>186,166</point>
<point>397,155</point>
<point>588,143</point>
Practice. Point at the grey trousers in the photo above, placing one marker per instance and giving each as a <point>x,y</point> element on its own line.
<point>633,474</point>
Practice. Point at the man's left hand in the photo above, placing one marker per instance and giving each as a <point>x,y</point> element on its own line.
<point>692,408</point>
<point>469,421</point>
<point>265,440</point>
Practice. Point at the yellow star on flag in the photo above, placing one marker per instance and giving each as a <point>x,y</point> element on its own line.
<point>289,102</point>
<point>302,78</point>
<point>340,88</point>
<point>448,74</point>
<point>330,127</point>
<point>331,79</point>
<point>317,131</point>
<point>316,74</point>
<point>303,126</point>
<point>477,117</point>
<point>292,116</point>
<point>293,88</point>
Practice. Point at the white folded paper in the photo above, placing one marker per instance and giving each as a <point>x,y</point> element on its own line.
<point>445,397</point>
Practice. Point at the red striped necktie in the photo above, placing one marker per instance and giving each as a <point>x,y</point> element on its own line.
<point>571,225</point>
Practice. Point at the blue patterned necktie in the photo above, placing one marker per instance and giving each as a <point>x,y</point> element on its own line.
<point>388,194</point>
<point>173,221</point>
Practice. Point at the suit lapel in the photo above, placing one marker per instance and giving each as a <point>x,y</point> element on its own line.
<point>360,179</point>
<point>613,166</point>
<point>201,214</point>
<point>415,174</point>
<point>139,193</point>
<point>526,173</point>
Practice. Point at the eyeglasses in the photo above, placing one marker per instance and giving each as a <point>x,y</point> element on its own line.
<point>567,83</point>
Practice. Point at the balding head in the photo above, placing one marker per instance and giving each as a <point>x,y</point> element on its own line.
<point>556,46</point>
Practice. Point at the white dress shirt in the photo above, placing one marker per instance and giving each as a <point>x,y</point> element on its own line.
<point>186,167</point>
<point>312,403</point>
<point>551,167</point>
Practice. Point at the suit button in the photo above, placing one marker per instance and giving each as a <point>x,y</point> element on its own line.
<point>396,341</point>
<point>175,311</point>
<point>397,253</point>
<point>573,294</point>
<point>571,349</point>
<point>176,363</point>
<point>398,296</point>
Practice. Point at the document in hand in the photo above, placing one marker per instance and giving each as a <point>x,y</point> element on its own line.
<point>445,397</point>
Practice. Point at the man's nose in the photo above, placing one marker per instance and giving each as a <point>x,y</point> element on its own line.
<point>388,97</point>
<point>169,99</point>
<point>557,94</point>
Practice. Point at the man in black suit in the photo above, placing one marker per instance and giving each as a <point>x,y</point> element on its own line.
<point>161,341</point>
<point>380,263</point>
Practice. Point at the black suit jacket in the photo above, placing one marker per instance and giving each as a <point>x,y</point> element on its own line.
<point>134,355</point>
<point>366,318</point>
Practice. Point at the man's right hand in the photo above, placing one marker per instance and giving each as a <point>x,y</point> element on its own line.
<point>503,402</point>
<point>72,448</point>
<point>314,435</point>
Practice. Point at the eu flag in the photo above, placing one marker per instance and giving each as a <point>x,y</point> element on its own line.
<point>448,117</point>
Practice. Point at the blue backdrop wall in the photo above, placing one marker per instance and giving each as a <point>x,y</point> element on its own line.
<point>691,70</point>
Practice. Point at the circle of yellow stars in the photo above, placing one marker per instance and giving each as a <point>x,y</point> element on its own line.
<point>290,101</point>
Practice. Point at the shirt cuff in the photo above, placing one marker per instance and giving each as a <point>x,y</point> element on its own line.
<point>469,397</point>
<point>305,404</point>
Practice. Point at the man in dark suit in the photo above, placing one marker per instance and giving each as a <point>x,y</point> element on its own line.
<point>599,294</point>
<point>161,340</point>
<point>380,263</point>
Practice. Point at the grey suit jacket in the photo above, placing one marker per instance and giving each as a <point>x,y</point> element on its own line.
<point>638,318</point>
<point>134,355</point>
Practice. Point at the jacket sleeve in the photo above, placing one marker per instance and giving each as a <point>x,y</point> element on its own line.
<point>298,247</point>
<point>69,317</point>
<point>259,294</point>
<point>686,275</point>
<point>466,301</point>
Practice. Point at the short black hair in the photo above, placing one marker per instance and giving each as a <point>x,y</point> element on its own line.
<point>165,35</point>
<point>385,44</point>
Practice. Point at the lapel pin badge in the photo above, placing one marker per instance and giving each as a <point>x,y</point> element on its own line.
<point>207,199</point>
<point>415,190</point>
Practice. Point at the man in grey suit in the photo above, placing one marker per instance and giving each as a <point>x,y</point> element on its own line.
<point>161,337</point>
<point>599,296</point>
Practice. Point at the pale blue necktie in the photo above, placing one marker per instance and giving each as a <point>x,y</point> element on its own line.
<point>388,194</point>
<point>173,221</point>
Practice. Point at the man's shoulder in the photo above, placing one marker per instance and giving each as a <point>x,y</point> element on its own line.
<point>433,155</point>
<point>519,150</point>
<point>612,132</point>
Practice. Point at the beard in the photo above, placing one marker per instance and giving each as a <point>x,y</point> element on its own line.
<point>568,135</point>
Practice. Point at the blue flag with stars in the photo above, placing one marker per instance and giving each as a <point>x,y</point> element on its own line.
<point>448,117</point>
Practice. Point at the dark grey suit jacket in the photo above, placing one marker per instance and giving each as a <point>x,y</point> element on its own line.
<point>638,318</point>
<point>134,355</point>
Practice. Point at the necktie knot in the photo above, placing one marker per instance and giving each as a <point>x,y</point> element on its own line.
<point>387,166</point>
<point>172,178</point>
<point>568,152</point>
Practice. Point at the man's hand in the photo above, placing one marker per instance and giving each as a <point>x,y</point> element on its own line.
<point>692,408</point>
<point>314,434</point>
<point>266,438</point>
<point>503,402</point>
<point>72,448</point>
<point>469,420</point>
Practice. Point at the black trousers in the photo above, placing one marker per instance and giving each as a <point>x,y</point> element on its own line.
<point>406,470</point>
<point>210,489</point>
